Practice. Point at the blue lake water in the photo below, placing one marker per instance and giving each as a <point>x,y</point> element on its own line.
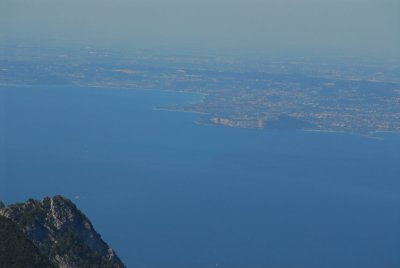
<point>166,192</point>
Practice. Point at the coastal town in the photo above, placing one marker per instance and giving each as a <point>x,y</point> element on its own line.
<point>260,93</point>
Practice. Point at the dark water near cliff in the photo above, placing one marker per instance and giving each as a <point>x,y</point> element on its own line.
<point>166,192</point>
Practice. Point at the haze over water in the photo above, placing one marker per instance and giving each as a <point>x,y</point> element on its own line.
<point>363,28</point>
<point>167,192</point>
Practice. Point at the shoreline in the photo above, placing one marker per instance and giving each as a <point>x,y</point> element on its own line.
<point>202,96</point>
<point>177,111</point>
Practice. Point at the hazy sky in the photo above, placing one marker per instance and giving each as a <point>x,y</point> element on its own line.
<point>348,26</point>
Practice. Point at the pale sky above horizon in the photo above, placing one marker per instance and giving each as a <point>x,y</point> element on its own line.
<point>366,27</point>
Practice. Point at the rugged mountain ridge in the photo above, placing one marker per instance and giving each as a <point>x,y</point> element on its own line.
<point>61,232</point>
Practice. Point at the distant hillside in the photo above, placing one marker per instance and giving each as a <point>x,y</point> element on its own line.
<point>52,229</point>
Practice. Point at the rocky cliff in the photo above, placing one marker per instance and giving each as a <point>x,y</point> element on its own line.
<point>16,251</point>
<point>61,232</point>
